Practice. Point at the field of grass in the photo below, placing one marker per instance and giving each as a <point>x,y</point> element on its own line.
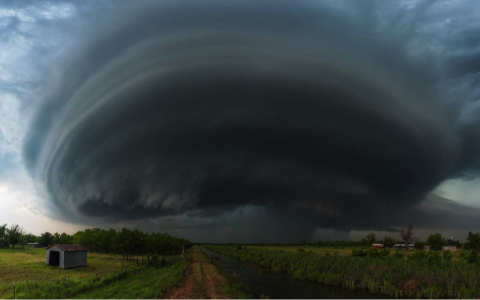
<point>19,266</point>
<point>101,278</point>
<point>147,283</point>
<point>416,275</point>
<point>342,251</point>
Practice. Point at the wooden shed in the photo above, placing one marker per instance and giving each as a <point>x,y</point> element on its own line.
<point>66,256</point>
<point>377,246</point>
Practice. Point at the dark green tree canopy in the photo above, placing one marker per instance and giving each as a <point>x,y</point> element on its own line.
<point>436,241</point>
<point>473,241</point>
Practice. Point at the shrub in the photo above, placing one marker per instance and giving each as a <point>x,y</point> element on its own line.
<point>398,254</point>
<point>419,245</point>
<point>372,253</point>
<point>239,247</point>
<point>358,253</point>
<point>436,241</point>
<point>418,255</point>
<point>433,258</point>
<point>333,279</point>
<point>300,250</point>
<point>384,253</point>
<point>472,257</point>
<point>447,256</point>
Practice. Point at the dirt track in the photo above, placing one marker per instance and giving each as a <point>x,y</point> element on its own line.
<point>201,280</point>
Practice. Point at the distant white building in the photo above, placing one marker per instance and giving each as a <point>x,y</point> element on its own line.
<point>399,246</point>
<point>444,248</point>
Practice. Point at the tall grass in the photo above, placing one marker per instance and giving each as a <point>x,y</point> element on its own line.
<point>420,276</point>
<point>144,282</point>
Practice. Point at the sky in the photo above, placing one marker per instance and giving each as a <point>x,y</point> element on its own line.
<point>241,121</point>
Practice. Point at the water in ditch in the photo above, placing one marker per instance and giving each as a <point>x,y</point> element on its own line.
<point>280,285</point>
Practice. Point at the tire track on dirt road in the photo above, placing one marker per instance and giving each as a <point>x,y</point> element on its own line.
<point>201,280</point>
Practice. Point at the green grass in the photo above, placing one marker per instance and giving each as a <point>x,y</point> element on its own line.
<point>342,251</point>
<point>19,266</point>
<point>147,283</point>
<point>99,279</point>
<point>418,275</point>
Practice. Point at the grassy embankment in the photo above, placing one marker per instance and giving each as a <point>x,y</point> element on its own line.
<point>102,278</point>
<point>342,251</point>
<point>419,275</point>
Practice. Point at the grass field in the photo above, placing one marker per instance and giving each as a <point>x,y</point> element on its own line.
<point>147,283</point>
<point>101,278</point>
<point>19,266</point>
<point>342,251</point>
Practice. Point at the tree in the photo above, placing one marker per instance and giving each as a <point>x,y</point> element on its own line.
<point>46,239</point>
<point>407,235</point>
<point>3,236</point>
<point>388,241</point>
<point>473,241</point>
<point>14,235</point>
<point>436,241</point>
<point>371,238</point>
<point>419,245</point>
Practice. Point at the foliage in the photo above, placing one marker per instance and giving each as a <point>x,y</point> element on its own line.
<point>419,245</point>
<point>371,238</point>
<point>473,241</point>
<point>14,235</point>
<point>436,241</point>
<point>388,241</point>
<point>3,236</point>
<point>422,275</point>
<point>472,257</point>
<point>407,235</point>
<point>447,256</point>
<point>358,253</point>
<point>46,239</point>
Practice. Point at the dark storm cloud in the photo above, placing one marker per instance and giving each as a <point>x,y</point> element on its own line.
<point>307,110</point>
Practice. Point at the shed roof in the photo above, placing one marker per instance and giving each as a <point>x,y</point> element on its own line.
<point>69,247</point>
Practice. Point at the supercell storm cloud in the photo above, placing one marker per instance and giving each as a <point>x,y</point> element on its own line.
<point>304,108</point>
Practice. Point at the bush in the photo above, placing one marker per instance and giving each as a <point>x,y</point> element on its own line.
<point>419,245</point>
<point>372,253</point>
<point>447,256</point>
<point>152,260</point>
<point>436,241</point>
<point>384,253</point>
<point>418,255</point>
<point>333,279</point>
<point>433,258</point>
<point>472,257</point>
<point>300,250</point>
<point>398,254</point>
<point>239,247</point>
<point>358,253</point>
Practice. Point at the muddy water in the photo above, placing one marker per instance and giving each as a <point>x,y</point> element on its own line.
<point>279,285</point>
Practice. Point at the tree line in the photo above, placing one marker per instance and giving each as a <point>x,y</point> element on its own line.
<point>126,241</point>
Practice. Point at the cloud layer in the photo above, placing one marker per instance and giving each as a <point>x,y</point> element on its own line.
<point>319,113</point>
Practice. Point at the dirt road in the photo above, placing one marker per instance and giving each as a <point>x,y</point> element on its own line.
<point>201,281</point>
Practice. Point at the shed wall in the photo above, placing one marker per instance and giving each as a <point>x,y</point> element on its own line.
<point>72,259</point>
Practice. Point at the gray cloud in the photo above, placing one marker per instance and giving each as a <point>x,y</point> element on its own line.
<point>324,116</point>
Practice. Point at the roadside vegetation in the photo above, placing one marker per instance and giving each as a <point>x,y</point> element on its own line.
<point>420,274</point>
